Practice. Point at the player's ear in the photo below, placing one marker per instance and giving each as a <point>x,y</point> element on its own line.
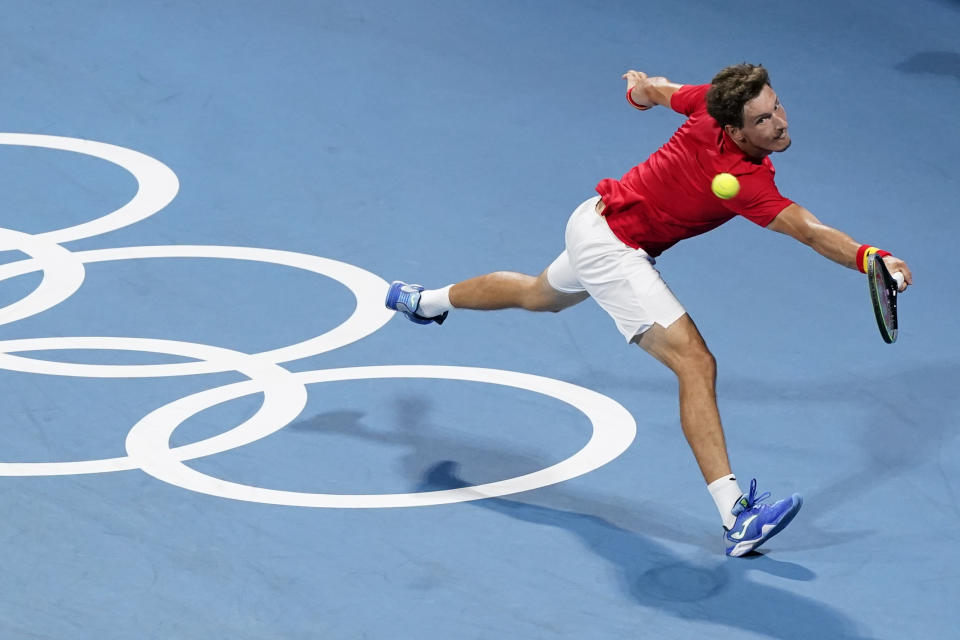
<point>735,132</point>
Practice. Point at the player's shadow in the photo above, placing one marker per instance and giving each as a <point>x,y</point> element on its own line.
<point>423,442</point>
<point>647,571</point>
<point>719,592</point>
<point>943,63</point>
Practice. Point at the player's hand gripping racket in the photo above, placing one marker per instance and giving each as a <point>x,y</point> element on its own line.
<point>883,294</point>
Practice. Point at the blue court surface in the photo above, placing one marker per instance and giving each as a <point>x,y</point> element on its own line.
<point>212,428</point>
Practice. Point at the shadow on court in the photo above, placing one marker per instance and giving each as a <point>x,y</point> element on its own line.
<point>424,442</point>
<point>953,4</point>
<point>656,578</point>
<point>648,572</point>
<point>922,408</point>
<point>943,63</point>
<point>890,435</point>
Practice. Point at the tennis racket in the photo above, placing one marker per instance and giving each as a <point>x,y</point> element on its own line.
<point>883,294</point>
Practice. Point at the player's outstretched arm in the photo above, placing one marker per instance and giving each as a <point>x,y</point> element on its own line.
<point>644,92</point>
<point>799,223</point>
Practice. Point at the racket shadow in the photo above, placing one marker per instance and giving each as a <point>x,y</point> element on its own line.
<point>893,434</point>
<point>945,63</point>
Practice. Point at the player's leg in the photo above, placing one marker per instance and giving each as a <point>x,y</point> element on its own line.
<point>625,283</point>
<point>681,348</point>
<point>555,289</point>
<point>498,290</point>
<point>747,523</point>
<point>509,290</point>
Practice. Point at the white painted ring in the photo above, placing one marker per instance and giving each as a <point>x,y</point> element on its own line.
<point>284,393</point>
<point>284,398</point>
<point>369,315</point>
<point>157,184</point>
<point>63,274</point>
<point>613,431</point>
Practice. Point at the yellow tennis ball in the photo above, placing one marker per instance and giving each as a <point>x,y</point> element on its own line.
<point>725,186</point>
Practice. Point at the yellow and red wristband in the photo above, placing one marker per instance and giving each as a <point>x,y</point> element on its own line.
<point>635,105</point>
<point>864,253</point>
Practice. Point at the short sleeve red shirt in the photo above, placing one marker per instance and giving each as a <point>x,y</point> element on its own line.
<point>667,197</point>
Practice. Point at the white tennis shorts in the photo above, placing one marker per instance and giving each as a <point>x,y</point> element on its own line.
<point>621,279</point>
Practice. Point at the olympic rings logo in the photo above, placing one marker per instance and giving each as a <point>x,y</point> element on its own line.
<point>284,393</point>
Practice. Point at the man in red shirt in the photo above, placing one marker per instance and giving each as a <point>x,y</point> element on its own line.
<point>732,126</point>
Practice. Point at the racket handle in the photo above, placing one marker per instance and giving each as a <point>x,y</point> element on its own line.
<point>898,276</point>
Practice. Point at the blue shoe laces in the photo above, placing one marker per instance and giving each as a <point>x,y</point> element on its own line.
<point>748,501</point>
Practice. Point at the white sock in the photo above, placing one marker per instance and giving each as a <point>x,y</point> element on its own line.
<point>725,491</point>
<point>433,302</point>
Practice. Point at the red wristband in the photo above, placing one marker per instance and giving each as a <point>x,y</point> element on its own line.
<point>636,106</point>
<point>860,253</point>
<point>864,252</point>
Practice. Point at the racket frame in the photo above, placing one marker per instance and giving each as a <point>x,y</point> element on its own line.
<point>883,295</point>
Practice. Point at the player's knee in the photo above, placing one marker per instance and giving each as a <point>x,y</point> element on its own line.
<point>549,302</point>
<point>696,360</point>
<point>537,301</point>
<point>706,363</point>
<point>556,301</point>
<point>538,295</point>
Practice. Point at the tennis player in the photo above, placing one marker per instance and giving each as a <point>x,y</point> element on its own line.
<point>612,240</point>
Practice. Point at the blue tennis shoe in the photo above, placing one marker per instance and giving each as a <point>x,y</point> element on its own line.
<point>405,298</point>
<point>757,523</point>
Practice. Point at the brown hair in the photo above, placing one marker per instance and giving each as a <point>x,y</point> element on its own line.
<point>732,88</point>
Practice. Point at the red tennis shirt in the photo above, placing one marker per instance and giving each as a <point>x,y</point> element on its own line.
<point>667,198</point>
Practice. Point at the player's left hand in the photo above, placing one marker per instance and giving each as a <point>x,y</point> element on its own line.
<point>634,78</point>
<point>895,264</point>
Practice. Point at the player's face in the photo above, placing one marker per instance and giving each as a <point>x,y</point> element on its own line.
<point>765,122</point>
